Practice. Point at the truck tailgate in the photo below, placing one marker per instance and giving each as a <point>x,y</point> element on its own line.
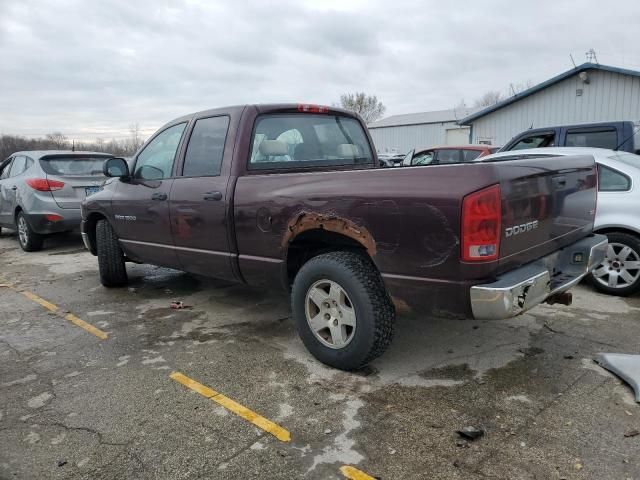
<point>547,203</point>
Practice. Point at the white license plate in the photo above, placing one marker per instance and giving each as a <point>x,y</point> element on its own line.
<point>91,190</point>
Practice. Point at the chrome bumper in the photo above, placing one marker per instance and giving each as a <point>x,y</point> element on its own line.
<point>517,291</point>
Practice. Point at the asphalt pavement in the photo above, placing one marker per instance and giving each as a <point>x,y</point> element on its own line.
<point>102,383</point>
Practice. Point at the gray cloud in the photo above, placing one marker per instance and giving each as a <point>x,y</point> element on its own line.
<point>91,68</point>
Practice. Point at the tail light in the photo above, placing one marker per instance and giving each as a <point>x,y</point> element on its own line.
<point>44,185</point>
<point>481,225</point>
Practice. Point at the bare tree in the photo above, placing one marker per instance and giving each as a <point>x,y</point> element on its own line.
<point>520,87</point>
<point>135,140</point>
<point>367,106</point>
<point>489,98</point>
<point>58,140</point>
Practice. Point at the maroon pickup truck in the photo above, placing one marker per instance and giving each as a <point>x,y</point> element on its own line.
<point>292,195</point>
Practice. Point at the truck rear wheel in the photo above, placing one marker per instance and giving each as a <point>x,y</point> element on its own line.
<point>619,274</point>
<point>113,272</point>
<point>342,311</point>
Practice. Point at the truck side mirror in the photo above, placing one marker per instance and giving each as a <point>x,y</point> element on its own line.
<point>116,167</point>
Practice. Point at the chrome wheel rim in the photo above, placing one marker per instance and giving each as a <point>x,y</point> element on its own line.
<point>23,232</point>
<point>330,314</point>
<point>621,267</point>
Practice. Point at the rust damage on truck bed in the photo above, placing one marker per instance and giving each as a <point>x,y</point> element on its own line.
<point>333,223</point>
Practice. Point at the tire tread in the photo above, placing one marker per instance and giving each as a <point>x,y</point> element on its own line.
<point>362,269</point>
<point>113,271</point>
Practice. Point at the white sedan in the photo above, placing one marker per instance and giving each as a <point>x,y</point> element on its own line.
<point>617,215</point>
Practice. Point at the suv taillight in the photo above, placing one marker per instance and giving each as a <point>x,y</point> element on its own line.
<point>44,185</point>
<point>481,225</point>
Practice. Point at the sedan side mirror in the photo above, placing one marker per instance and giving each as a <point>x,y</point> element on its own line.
<point>116,167</point>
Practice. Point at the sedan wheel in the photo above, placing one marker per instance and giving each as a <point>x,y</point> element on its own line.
<point>619,274</point>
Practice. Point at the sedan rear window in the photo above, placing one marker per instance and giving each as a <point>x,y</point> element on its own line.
<point>307,141</point>
<point>73,165</point>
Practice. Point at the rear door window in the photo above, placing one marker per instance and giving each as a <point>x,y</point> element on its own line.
<point>610,180</point>
<point>603,138</point>
<point>538,140</point>
<point>308,141</point>
<point>469,155</point>
<point>448,156</point>
<point>19,165</point>
<point>206,147</point>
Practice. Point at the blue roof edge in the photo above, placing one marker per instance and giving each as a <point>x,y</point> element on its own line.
<point>547,83</point>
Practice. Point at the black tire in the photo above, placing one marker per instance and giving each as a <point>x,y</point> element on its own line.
<point>113,272</point>
<point>628,240</point>
<point>29,240</point>
<point>374,311</point>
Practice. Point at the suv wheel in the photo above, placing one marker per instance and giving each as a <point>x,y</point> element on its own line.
<point>341,309</point>
<point>29,240</point>
<point>619,274</point>
<point>113,272</point>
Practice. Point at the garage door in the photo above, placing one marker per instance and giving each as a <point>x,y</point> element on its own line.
<point>457,136</point>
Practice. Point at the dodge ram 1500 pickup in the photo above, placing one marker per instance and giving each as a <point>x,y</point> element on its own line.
<point>293,195</point>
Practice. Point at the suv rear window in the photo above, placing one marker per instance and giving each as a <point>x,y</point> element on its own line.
<point>73,165</point>
<point>307,140</point>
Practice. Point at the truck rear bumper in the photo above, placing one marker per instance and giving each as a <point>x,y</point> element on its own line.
<point>519,290</point>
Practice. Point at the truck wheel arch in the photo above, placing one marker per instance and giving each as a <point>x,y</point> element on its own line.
<point>318,236</point>
<point>92,221</point>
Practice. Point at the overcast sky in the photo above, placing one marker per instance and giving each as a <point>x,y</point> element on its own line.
<point>91,69</point>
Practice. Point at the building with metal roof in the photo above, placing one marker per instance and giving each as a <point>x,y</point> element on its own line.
<point>587,93</point>
<point>402,133</point>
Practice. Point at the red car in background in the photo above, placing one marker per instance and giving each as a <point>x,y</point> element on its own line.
<point>448,154</point>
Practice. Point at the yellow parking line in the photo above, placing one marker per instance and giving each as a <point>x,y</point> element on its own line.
<point>55,309</point>
<point>48,305</point>
<point>87,326</point>
<point>353,473</point>
<point>233,406</point>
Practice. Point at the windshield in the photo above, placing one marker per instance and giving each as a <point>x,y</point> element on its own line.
<point>73,165</point>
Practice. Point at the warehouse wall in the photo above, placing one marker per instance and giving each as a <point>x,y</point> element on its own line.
<point>403,138</point>
<point>609,96</point>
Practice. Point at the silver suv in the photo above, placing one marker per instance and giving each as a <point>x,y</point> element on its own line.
<point>41,191</point>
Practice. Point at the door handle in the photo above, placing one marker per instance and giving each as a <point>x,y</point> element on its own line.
<point>211,196</point>
<point>159,196</point>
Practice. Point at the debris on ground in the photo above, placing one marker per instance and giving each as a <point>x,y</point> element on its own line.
<point>627,367</point>
<point>327,431</point>
<point>569,357</point>
<point>178,305</point>
<point>470,433</point>
<point>62,463</point>
<point>462,443</point>
<point>632,433</point>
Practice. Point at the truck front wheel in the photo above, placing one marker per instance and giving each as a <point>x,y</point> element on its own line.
<point>342,311</point>
<point>113,272</point>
